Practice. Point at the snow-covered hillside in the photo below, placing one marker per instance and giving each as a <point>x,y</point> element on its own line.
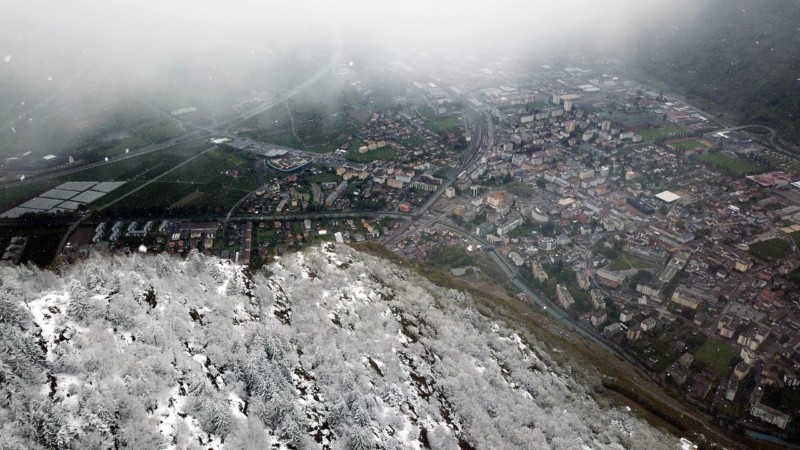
<point>328,348</point>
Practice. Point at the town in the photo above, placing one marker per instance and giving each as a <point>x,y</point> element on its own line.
<point>638,219</point>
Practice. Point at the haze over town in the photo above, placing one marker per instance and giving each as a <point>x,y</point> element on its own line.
<point>604,195</point>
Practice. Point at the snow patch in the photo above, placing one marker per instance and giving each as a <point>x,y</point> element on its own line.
<point>48,311</point>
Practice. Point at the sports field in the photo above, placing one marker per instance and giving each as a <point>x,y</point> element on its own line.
<point>689,144</point>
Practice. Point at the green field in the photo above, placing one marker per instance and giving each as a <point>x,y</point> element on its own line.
<point>144,167</point>
<point>625,262</point>
<point>651,134</point>
<point>796,237</point>
<point>324,178</point>
<point>439,123</point>
<point>278,135</point>
<point>771,249</point>
<point>738,166</point>
<point>412,140</point>
<point>520,189</point>
<point>318,119</point>
<point>119,147</point>
<point>594,109</point>
<point>717,355</point>
<point>381,154</point>
<point>449,256</point>
<point>206,168</point>
<point>689,144</point>
<point>159,132</point>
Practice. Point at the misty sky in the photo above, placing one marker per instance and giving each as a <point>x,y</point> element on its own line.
<point>65,66</point>
<point>40,35</point>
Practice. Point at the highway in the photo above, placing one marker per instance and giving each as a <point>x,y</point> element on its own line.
<point>322,215</point>
<point>770,139</point>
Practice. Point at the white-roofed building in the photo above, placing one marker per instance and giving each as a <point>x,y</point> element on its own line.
<point>668,196</point>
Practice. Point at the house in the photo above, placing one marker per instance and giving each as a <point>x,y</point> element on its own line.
<point>598,318</point>
<point>610,279</point>
<point>625,316</point>
<point>731,388</point>
<point>770,415</point>
<point>686,360</point>
<point>684,297</point>
<point>564,297</point>
<point>634,333</point>
<point>702,386</point>
<point>677,374</point>
<point>583,280</point>
<point>611,330</point>
<point>741,370</point>
<point>538,271</point>
<point>648,324</point>
<point>598,299</point>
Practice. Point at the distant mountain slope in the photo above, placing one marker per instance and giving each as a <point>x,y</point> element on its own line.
<point>330,349</point>
<point>741,55</point>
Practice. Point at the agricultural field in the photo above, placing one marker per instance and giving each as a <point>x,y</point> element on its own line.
<point>201,183</point>
<point>129,169</point>
<point>13,196</point>
<point>89,135</point>
<point>737,166</point>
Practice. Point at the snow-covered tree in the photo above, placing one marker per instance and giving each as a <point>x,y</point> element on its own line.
<point>360,438</point>
<point>372,352</point>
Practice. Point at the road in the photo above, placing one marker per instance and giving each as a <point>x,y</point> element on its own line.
<point>643,381</point>
<point>771,138</point>
<point>546,304</point>
<point>482,140</point>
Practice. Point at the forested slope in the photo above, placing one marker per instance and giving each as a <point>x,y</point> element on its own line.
<point>329,348</point>
<point>738,55</point>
